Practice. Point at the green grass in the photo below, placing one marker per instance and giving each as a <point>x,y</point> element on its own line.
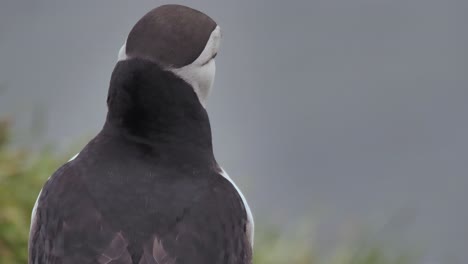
<point>23,172</point>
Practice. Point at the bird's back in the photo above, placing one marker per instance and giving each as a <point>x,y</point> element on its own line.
<point>122,201</point>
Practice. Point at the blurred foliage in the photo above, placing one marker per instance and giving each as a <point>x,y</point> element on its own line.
<point>22,174</point>
<point>273,247</point>
<point>24,171</point>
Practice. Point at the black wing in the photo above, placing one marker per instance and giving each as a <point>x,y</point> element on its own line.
<point>67,227</point>
<point>70,228</point>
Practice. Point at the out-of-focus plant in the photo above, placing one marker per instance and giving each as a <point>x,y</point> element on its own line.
<point>22,174</point>
<point>24,171</point>
<point>274,247</point>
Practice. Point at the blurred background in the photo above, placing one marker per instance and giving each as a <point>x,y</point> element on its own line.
<point>344,122</point>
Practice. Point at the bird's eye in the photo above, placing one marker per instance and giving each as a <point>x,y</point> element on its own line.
<point>212,58</point>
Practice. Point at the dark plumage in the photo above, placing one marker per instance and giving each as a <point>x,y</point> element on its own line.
<point>147,189</point>
<point>172,35</point>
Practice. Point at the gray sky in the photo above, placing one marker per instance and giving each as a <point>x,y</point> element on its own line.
<point>339,109</point>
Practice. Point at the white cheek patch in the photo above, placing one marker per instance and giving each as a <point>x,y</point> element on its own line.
<point>199,74</point>
<point>201,78</point>
<point>250,219</point>
<point>122,53</point>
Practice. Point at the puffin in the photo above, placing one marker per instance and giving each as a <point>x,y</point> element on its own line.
<point>147,188</point>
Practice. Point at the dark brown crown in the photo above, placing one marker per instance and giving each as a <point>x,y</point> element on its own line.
<point>170,35</point>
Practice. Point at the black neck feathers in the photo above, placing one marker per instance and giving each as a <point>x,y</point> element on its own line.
<point>154,106</point>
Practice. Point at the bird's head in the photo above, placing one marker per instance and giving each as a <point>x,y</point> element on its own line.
<point>179,39</point>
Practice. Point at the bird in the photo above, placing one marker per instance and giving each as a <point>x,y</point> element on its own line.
<point>147,188</point>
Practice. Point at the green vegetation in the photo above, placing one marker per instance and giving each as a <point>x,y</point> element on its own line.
<point>22,174</point>
<point>24,171</point>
